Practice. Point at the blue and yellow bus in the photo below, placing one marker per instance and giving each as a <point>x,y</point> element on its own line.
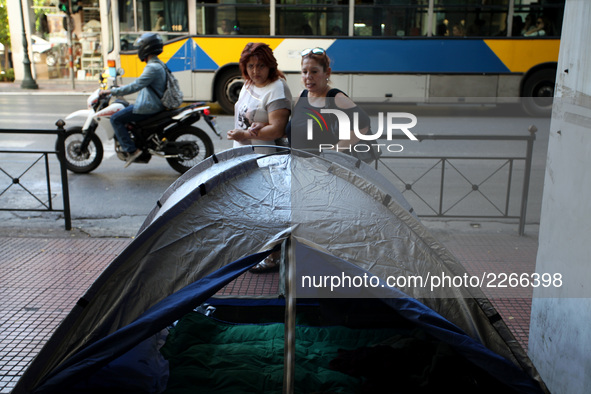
<point>381,50</point>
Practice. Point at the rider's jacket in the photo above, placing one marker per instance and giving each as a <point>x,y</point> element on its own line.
<point>148,100</point>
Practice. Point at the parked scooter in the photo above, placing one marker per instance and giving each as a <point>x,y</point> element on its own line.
<point>170,134</point>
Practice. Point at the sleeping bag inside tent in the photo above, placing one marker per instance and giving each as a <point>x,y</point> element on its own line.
<point>178,310</point>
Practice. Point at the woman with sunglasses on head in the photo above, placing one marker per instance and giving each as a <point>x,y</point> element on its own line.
<point>318,95</point>
<point>264,104</point>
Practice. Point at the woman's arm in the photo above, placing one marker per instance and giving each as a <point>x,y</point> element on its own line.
<point>344,102</point>
<point>238,135</point>
<point>272,130</point>
<point>536,31</point>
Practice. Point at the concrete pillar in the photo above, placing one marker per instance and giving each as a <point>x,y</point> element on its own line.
<point>560,329</point>
<point>16,34</point>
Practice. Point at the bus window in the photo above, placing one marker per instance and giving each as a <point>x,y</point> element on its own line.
<point>169,17</point>
<point>474,18</point>
<point>126,16</point>
<point>390,18</point>
<point>470,18</point>
<point>248,17</point>
<point>549,12</point>
<point>318,18</point>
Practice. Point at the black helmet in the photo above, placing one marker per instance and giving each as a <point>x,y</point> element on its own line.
<point>148,44</point>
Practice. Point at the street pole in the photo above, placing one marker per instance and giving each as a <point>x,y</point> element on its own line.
<point>28,81</point>
<point>70,26</point>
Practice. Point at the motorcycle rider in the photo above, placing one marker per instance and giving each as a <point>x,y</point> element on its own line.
<point>151,85</point>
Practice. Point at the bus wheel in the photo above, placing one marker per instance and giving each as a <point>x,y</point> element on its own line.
<point>228,89</point>
<point>538,91</point>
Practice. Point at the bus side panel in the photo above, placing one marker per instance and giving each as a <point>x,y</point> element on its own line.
<point>411,56</point>
<point>509,86</point>
<point>343,82</point>
<point>201,83</point>
<point>294,81</point>
<point>522,55</point>
<point>186,84</point>
<point>132,66</point>
<point>391,88</point>
<point>463,86</point>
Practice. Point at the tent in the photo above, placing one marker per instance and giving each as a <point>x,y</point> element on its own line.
<point>333,218</point>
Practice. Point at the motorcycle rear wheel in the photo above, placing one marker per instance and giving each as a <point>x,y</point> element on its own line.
<point>78,161</point>
<point>199,147</point>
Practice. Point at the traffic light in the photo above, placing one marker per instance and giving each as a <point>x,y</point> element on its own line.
<point>64,6</point>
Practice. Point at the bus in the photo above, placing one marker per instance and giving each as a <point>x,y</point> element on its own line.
<point>383,51</point>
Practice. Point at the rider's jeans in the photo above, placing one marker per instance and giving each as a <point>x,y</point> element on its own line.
<point>119,120</point>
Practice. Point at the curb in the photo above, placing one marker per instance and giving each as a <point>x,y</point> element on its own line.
<point>48,87</point>
<point>58,89</point>
<point>37,93</point>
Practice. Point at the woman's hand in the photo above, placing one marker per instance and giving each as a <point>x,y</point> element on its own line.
<point>238,135</point>
<point>272,130</point>
<point>255,128</point>
<point>251,133</point>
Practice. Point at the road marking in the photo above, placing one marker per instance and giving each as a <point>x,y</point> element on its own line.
<point>15,144</point>
<point>109,149</point>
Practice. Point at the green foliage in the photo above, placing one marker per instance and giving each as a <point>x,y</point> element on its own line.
<point>42,7</point>
<point>4,30</point>
<point>7,76</point>
<point>4,36</point>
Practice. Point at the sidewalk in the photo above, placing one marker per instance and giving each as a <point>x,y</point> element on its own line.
<point>51,87</point>
<point>64,87</point>
<point>44,274</point>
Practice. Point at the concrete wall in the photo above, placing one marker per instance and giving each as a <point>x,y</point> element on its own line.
<point>560,330</point>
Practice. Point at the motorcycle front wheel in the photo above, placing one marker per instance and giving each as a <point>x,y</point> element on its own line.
<point>198,147</point>
<point>79,161</point>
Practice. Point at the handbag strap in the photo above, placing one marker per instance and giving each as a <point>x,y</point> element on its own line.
<point>331,93</point>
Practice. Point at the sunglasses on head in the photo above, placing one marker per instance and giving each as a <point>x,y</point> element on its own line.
<point>315,51</point>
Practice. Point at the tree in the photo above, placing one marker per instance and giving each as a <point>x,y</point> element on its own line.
<point>4,33</point>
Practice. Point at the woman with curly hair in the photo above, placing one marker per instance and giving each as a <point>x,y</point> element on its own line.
<point>264,105</point>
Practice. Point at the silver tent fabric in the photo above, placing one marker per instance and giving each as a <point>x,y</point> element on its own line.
<point>240,202</point>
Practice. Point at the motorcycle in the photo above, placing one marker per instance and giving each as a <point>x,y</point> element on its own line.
<point>170,134</point>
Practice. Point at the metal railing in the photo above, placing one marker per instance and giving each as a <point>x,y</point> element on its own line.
<point>16,180</point>
<point>444,164</point>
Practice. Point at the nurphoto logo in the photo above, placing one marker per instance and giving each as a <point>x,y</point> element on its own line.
<point>386,124</point>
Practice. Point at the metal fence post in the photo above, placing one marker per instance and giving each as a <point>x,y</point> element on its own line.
<point>61,155</point>
<point>528,159</point>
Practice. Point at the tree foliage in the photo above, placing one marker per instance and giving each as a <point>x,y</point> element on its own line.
<point>4,33</point>
<point>4,30</point>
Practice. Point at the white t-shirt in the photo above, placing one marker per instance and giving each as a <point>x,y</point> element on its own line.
<point>254,105</point>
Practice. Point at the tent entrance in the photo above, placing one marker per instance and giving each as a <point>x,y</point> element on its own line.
<point>242,351</point>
